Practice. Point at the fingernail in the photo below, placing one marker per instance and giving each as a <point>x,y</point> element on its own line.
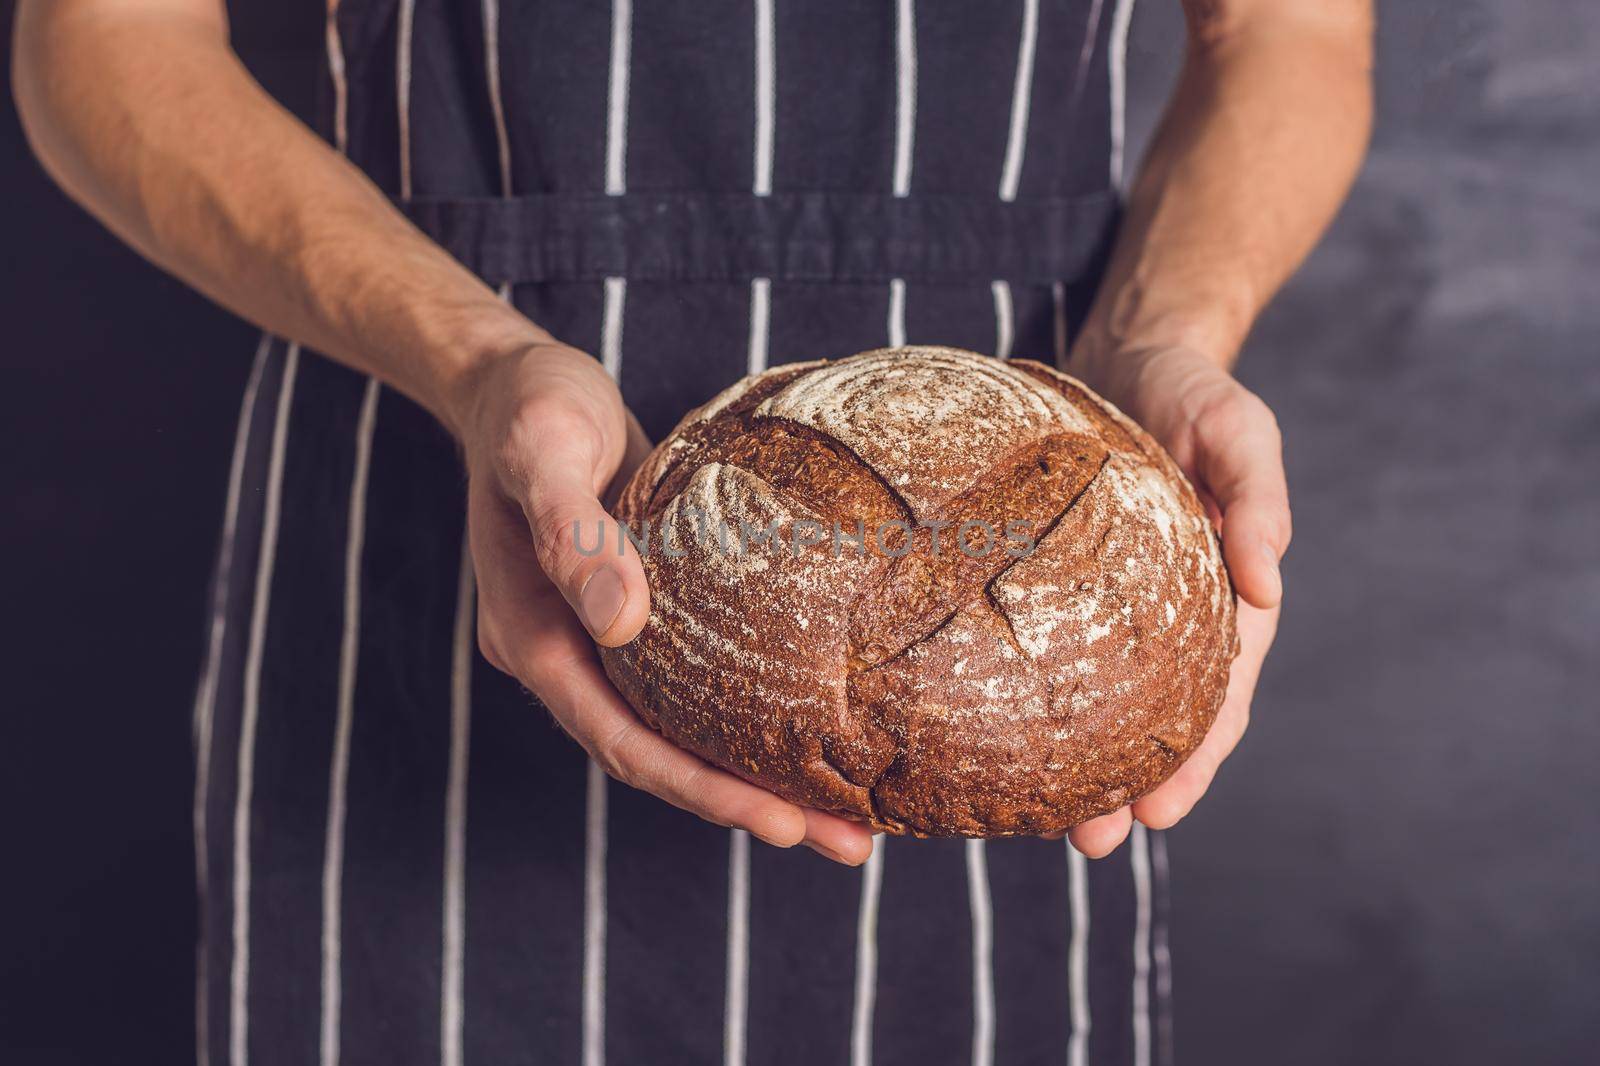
<point>601,600</point>
<point>828,853</point>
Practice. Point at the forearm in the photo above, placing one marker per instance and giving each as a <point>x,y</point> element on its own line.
<point>1257,148</point>
<point>144,115</point>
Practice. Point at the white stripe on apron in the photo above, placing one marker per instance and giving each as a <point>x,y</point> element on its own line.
<point>736,1005</point>
<point>594,898</point>
<point>1078,956</point>
<point>1139,858</point>
<point>402,75</point>
<point>760,323</point>
<point>983,1006</point>
<point>339,770</point>
<point>766,78</point>
<point>905,124</point>
<point>1117,61</point>
<point>594,924</point>
<point>1022,94</point>
<point>872,870</point>
<point>497,108</point>
<point>1091,35</point>
<point>455,825</point>
<point>1011,171</point>
<point>336,73</point>
<point>239,983</point>
<point>349,647</point>
<point>205,704</point>
<point>1005,319</point>
<point>905,112</point>
<point>867,954</point>
<point>1138,840</point>
<point>617,105</point>
<point>594,920</point>
<point>897,313</point>
<point>982,953</point>
<point>734,1010</point>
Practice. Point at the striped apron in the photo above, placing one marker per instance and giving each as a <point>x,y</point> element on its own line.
<point>401,859</point>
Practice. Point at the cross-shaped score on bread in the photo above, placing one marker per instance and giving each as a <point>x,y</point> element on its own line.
<point>934,561</point>
<point>927,584</point>
<point>918,671</point>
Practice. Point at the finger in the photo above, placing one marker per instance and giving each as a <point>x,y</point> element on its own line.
<point>1253,548</point>
<point>525,632</point>
<point>1170,802</point>
<point>837,838</point>
<point>588,707</point>
<point>519,609</point>
<point>582,549</point>
<point>1099,837</point>
<point>1240,457</point>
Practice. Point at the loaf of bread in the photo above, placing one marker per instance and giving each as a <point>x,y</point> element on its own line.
<point>826,624</point>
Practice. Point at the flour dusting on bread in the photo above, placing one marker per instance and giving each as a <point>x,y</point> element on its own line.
<point>1015,694</point>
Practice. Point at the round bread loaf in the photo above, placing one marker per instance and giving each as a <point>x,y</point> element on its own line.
<point>826,624</point>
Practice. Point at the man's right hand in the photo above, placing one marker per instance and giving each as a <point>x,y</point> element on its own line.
<point>143,114</point>
<point>545,433</point>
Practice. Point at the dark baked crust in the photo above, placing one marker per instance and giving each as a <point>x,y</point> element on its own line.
<point>930,693</point>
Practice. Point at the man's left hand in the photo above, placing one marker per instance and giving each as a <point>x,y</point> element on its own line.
<point>1227,442</point>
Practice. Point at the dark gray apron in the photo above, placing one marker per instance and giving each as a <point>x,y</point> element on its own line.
<point>402,859</point>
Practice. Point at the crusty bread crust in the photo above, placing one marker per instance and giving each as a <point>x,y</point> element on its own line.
<point>928,692</point>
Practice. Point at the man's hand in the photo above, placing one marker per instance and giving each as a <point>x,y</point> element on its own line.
<point>546,434</point>
<point>1227,442</point>
<point>1257,147</point>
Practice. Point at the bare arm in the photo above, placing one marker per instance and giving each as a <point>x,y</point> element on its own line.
<point>144,115</point>
<point>140,110</point>
<point>1257,148</point>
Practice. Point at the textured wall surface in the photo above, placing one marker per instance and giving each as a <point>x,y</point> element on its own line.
<point>1400,864</point>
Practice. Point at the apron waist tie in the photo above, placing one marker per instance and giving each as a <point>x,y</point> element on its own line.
<point>798,236</point>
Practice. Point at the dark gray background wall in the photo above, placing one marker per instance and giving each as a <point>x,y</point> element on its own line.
<point>1400,865</point>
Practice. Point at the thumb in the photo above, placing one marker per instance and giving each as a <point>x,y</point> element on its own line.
<point>1244,471</point>
<point>1254,538</point>
<point>585,552</point>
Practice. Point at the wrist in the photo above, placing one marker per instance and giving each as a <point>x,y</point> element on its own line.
<point>1113,356</point>
<point>464,362</point>
<point>1136,320</point>
<point>508,401</point>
